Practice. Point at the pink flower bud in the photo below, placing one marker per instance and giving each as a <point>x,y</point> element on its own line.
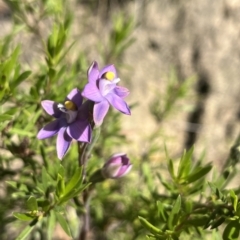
<point>117,166</point>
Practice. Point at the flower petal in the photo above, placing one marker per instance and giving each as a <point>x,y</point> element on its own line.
<point>108,68</point>
<point>124,170</point>
<point>76,97</point>
<point>99,112</point>
<point>122,92</point>
<point>49,130</point>
<point>51,108</point>
<point>80,131</point>
<point>118,103</point>
<point>93,72</point>
<point>118,158</point>
<point>85,111</point>
<point>63,142</point>
<point>92,92</point>
<point>111,170</point>
<point>106,86</point>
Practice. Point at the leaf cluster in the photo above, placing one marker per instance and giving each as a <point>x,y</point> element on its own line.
<point>191,204</point>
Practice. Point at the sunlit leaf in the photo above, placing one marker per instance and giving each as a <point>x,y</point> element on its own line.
<point>60,186</point>
<point>32,204</point>
<point>22,132</point>
<point>51,225</point>
<point>171,168</point>
<point>161,211</point>
<point>198,173</point>
<point>197,221</point>
<point>174,214</point>
<point>148,225</point>
<point>216,191</point>
<point>17,185</point>
<point>23,216</point>
<point>185,164</point>
<point>217,222</point>
<point>231,231</point>
<point>27,230</point>
<point>21,78</point>
<point>5,117</point>
<point>234,199</point>
<point>75,181</point>
<point>63,223</point>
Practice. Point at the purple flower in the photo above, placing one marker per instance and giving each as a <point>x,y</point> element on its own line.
<point>103,90</point>
<point>71,121</point>
<point>117,166</point>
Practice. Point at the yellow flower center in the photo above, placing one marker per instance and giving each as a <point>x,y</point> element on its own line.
<point>69,105</point>
<point>109,76</point>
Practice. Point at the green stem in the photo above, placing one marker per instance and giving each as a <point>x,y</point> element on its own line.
<point>84,151</point>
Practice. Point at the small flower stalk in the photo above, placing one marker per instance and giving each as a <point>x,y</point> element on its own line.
<point>117,166</point>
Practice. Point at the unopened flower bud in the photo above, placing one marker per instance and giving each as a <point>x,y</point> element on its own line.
<point>117,166</point>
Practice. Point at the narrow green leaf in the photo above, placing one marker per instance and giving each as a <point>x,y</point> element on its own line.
<point>188,206</point>
<point>21,132</point>
<point>196,187</point>
<point>238,210</point>
<point>173,217</point>
<point>63,223</point>
<point>23,216</point>
<point>3,125</point>
<point>216,191</point>
<point>167,185</point>
<point>177,205</point>
<point>45,179</point>
<point>185,163</point>
<point>61,170</point>
<point>10,64</point>
<point>171,168</point>
<point>197,221</point>
<point>75,181</point>
<point>19,186</point>
<point>60,186</point>
<point>75,192</point>
<point>21,78</point>
<point>43,154</point>
<point>234,199</point>
<point>51,73</point>
<point>213,215</point>
<point>12,111</point>
<point>217,222</point>
<point>51,225</point>
<point>45,204</point>
<point>12,184</point>
<point>5,117</point>
<point>32,204</point>
<point>161,212</point>
<point>27,230</point>
<point>198,173</point>
<point>52,41</point>
<point>149,226</point>
<point>231,231</point>
<point>66,51</point>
